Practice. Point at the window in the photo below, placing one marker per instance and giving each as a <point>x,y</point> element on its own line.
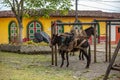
<point>60,27</point>
<point>33,27</point>
<point>13,31</point>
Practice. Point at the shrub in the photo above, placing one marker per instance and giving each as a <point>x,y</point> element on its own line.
<point>36,44</point>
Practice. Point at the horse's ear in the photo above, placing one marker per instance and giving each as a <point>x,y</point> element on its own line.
<point>53,34</point>
<point>57,34</point>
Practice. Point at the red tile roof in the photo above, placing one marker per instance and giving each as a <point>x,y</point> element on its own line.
<point>72,14</point>
<point>6,14</point>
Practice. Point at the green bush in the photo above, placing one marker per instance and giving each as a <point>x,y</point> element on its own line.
<point>36,44</point>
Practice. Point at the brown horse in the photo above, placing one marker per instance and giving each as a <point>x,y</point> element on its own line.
<point>72,46</point>
<point>69,43</point>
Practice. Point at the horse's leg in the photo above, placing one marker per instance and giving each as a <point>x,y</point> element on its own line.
<point>67,58</point>
<point>87,57</point>
<point>63,58</point>
<point>80,55</point>
<point>73,53</point>
<point>89,53</point>
<point>70,53</point>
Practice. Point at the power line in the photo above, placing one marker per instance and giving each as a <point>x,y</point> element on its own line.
<point>107,4</point>
<point>103,3</point>
<point>112,1</point>
<point>103,0</point>
<point>97,7</point>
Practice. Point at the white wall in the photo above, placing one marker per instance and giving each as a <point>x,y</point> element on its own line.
<point>113,32</point>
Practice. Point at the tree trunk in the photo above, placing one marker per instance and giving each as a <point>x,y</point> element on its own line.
<point>20,39</point>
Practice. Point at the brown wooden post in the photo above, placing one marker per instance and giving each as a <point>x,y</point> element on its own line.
<point>112,61</point>
<point>52,55</point>
<point>95,43</point>
<point>109,41</point>
<point>56,32</point>
<point>106,43</point>
<point>55,55</point>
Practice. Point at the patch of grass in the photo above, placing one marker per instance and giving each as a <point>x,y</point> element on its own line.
<point>99,77</point>
<point>15,66</point>
<point>82,78</point>
<point>112,76</point>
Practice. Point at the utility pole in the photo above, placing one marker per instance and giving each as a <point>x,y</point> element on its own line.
<point>76,10</point>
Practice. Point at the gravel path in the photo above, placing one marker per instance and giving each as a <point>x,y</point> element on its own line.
<point>96,70</point>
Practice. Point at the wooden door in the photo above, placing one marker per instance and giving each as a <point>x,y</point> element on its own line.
<point>117,33</point>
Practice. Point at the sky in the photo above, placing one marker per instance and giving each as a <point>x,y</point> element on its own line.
<point>103,5</point>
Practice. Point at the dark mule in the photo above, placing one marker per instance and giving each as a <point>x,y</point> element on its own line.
<point>63,49</point>
<point>60,40</point>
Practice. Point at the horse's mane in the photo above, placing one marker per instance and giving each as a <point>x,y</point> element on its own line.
<point>89,31</point>
<point>89,28</point>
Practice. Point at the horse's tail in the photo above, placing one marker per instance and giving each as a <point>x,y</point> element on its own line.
<point>89,52</point>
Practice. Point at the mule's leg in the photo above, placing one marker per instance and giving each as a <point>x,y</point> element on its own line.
<point>87,57</point>
<point>80,55</point>
<point>63,58</point>
<point>67,58</point>
<point>72,53</point>
<point>89,53</point>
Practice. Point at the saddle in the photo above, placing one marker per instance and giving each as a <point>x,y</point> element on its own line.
<point>71,40</point>
<point>67,38</point>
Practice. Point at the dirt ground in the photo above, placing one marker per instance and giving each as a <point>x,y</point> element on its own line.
<point>96,70</point>
<point>15,66</point>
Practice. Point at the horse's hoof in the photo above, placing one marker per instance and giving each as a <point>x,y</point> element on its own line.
<point>61,66</point>
<point>67,65</point>
<point>87,67</point>
<point>83,59</point>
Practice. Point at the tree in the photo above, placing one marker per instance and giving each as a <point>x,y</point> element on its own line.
<point>23,7</point>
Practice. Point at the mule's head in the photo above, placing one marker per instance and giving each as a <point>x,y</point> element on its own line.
<point>89,31</point>
<point>92,32</point>
<point>56,39</point>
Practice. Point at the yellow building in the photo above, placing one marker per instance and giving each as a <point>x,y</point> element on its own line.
<point>9,26</point>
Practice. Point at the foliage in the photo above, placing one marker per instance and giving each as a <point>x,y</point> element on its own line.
<point>33,7</point>
<point>38,7</point>
<point>46,7</point>
<point>36,44</point>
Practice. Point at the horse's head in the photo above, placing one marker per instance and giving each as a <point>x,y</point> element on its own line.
<point>90,31</point>
<point>56,39</point>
